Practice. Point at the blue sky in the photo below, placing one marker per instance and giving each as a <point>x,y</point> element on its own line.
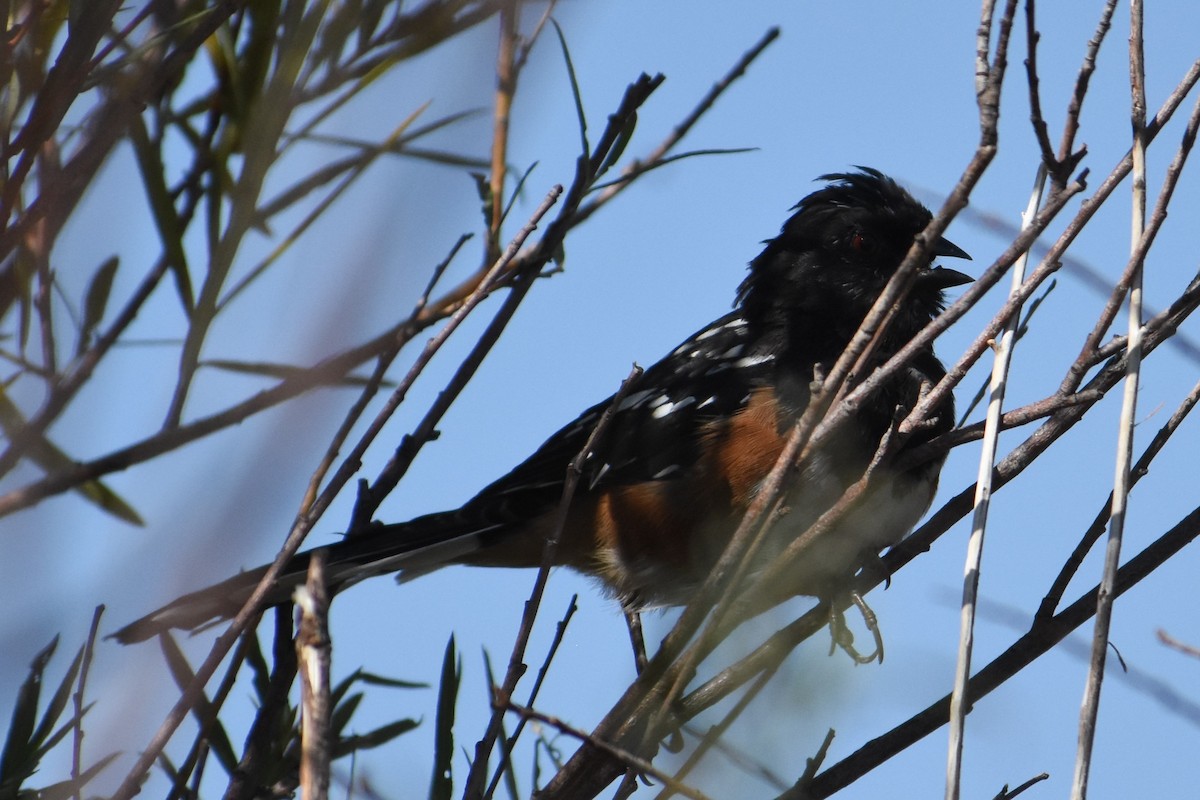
<point>872,83</point>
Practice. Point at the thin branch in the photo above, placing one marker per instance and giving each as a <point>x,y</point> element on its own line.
<point>659,153</point>
<point>249,612</point>
<point>1009,794</point>
<point>80,706</point>
<point>1042,636</point>
<point>398,465</point>
<point>1172,642</point>
<point>369,391</point>
<point>1075,106</point>
<point>715,732</point>
<point>1092,534</point>
<point>313,652</point>
<point>983,496</point>
<point>560,631</point>
<point>516,665</point>
<point>1143,241</point>
<point>506,87</point>
<point>1040,132</point>
<point>1090,709</point>
<point>639,764</point>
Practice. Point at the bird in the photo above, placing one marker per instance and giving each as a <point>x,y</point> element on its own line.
<point>686,450</point>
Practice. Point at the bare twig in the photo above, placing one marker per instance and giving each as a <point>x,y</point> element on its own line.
<point>1143,241</point>
<point>382,363</point>
<point>506,87</point>
<point>632,760</point>
<point>1009,794</point>
<point>300,528</point>
<point>1042,636</point>
<point>516,665</point>
<point>1171,641</point>
<point>1035,100</point>
<point>1066,158</point>
<point>313,653</point>
<point>1090,710</point>
<point>660,153</point>
<point>983,496</point>
<point>714,733</point>
<point>506,751</point>
<point>80,692</point>
<point>398,465</point>
<point>1092,534</point>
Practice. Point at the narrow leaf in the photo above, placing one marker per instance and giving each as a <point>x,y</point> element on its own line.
<point>166,219</point>
<point>19,760</point>
<point>96,301</point>
<point>583,137</point>
<point>50,458</point>
<point>57,703</point>
<point>715,151</point>
<point>380,736</point>
<point>182,673</point>
<point>442,785</point>
<point>67,789</point>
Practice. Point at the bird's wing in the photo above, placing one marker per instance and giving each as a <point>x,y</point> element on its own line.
<point>654,433</point>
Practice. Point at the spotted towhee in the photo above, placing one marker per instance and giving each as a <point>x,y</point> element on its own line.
<point>687,450</point>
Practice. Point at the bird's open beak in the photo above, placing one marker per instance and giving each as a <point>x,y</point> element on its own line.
<point>941,277</point>
<point>947,248</point>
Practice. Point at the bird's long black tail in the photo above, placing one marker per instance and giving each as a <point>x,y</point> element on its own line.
<point>410,548</point>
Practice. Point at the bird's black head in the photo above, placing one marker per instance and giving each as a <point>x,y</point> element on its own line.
<point>812,285</point>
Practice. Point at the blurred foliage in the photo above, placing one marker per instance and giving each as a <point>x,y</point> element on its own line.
<point>33,734</point>
<point>210,98</point>
<point>80,79</point>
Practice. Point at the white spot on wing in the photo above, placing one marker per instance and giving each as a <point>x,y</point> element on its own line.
<point>665,408</point>
<point>751,361</point>
<point>634,399</point>
<point>599,474</point>
<point>662,473</point>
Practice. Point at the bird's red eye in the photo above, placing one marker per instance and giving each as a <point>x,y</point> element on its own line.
<point>858,242</point>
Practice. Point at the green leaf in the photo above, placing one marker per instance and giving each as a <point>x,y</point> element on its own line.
<point>380,736</point>
<point>258,665</point>
<point>50,458</point>
<point>96,300</point>
<point>19,759</point>
<point>67,789</point>
<point>441,787</point>
<point>342,713</point>
<point>166,219</point>
<point>182,673</point>
<point>42,737</point>
<point>368,21</point>
<point>372,679</point>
